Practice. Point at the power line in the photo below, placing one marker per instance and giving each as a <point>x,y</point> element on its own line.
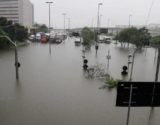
<point>149,12</point>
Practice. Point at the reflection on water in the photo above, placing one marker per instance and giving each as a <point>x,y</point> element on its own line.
<point>52,89</point>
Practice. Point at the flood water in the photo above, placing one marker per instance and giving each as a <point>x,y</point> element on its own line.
<point>53,89</point>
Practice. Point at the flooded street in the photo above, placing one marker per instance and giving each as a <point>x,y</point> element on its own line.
<point>53,89</point>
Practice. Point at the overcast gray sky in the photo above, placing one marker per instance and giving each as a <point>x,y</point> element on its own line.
<point>84,12</point>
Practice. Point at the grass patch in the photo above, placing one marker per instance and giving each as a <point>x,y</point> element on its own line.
<point>111,82</point>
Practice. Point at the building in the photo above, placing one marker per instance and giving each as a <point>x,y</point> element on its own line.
<point>19,11</point>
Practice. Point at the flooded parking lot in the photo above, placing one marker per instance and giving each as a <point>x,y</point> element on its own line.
<point>53,90</point>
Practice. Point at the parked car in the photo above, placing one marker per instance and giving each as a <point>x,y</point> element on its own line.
<point>64,36</point>
<point>104,39</point>
<point>44,39</point>
<point>107,40</point>
<point>38,36</point>
<point>58,38</point>
<point>77,40</point>
<point>31,37</point>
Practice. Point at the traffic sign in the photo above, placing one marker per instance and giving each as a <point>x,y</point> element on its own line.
<point>142,94</point>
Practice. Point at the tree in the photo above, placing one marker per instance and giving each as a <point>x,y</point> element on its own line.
<point>155,40</point>
<point>15,31</point>
<point>20,32</point>
<point>3,41</point>
<point>88,36</point>
<point>144,37</point>
<point>41,27</point>
<point>139,37</point>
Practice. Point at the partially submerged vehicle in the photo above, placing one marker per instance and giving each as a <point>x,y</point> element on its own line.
<point>57,38</point>
<point>77,40</point>
<point>44,39</point>
<point>107,40</point>
<point>104,39</point>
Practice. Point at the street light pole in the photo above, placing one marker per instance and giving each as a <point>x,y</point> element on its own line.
<point>99,4</point>
<point>98,22</point>
<point>64,14</point>
<point>17,64</point>
<point>49,6</point>
<point>130,20</point>
<point>68,25</point>
<point>108,22</point>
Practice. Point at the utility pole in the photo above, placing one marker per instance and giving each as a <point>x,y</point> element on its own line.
<point>130,20</point>
<point>64,14</point>
<point>157,69</point>
<point>156,77</point>
<point>68,25</point>
<point>108,58</point>
<point>98,22</point>
<point>17,64</point>
<point>154,87</point>
<point>108,22</point>
<point>49,26</point>
<point>131,87</point>
<point>133,57</point>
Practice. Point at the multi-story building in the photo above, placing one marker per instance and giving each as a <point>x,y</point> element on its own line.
<point>19,11</point>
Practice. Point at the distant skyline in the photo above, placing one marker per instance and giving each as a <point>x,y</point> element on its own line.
<point>84,12</point>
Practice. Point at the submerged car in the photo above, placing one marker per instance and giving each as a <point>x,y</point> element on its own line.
<point>107,40</point>
<point>104,39</point>
<point>57,38</point>
<point>77,40</point>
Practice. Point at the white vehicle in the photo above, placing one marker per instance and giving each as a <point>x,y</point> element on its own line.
<point>47,34</point>
<point>107,40</point>
<point>104,39</point>
<point>31,37</point>
<point>38,36</point>
<point>77,40</point>
<point>101,38</point>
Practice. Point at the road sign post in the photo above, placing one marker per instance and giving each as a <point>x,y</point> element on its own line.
<point>142,93</point>
<point>108,58</point>
<point>17,64</point>
<point>96,47</point>
<point>129,104</point>
<point>155,84</point>
<point>138,94</point>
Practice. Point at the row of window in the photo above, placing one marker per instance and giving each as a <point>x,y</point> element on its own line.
<point>8,3</point>
<point>8,7</point>
<point>8,10</point>
<point>11,17</point>
<point>8,0</point>
<point>9,14</point>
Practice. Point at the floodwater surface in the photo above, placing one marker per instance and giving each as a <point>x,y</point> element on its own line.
<point>53,89</point>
